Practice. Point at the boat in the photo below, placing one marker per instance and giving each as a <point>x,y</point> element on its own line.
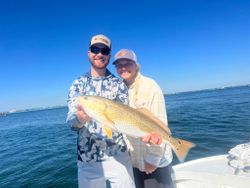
<point>231,170</point>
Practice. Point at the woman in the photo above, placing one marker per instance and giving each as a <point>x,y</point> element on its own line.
<point>151,162</point>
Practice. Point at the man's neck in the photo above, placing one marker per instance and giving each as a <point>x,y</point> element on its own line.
<point>98,72</point>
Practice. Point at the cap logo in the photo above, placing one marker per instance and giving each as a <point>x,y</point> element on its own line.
<point>121,54</point>
<point>101,39</point>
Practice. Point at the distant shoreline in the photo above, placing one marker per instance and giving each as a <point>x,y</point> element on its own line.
<point>31,110</point>
<point>211,89</point>
<point>5,113</point>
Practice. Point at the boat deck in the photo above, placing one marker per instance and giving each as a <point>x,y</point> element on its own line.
<point>212,172</point>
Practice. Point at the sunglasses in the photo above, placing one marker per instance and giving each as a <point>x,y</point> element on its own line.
<point>119,65</point>
<point>96,50</point>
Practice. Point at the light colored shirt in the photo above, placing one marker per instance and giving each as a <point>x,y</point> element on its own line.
<point>146,93</point>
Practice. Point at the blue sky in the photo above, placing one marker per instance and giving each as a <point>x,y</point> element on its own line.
<point>183,44</point>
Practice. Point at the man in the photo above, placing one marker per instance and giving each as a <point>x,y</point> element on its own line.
<point>99,158</point>
<point>151,162</point>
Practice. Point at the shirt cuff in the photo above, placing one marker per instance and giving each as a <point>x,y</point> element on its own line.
<point>154,154</point>
<point>74,123</point>
<point>153,160</point>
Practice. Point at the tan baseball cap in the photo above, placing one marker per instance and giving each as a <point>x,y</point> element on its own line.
<point>100,39</point>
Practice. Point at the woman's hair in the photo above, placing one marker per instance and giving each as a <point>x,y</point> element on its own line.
<point>138,67</point>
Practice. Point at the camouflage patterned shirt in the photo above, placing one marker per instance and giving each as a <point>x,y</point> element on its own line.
<point>92,143</point>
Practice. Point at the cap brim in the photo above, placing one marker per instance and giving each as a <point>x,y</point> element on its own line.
<point>123,58</point>
<point>114,62</point>
<point>100,45</point>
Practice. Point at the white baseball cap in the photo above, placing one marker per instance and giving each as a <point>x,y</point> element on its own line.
<point>125,54</point>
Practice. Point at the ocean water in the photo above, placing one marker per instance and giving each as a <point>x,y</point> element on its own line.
<point>39,150</point>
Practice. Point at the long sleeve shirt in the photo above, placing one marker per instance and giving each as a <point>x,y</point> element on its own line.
<point>92,143</point>
<point>145,93</point>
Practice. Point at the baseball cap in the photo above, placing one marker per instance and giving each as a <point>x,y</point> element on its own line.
<point>100,39</point>
<point>125,54</point>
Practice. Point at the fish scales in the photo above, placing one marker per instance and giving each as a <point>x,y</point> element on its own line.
<point>133,122</point>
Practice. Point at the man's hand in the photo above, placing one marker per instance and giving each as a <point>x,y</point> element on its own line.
<point>153,138</point>
<point>149,168</point>
<point>81,115</point>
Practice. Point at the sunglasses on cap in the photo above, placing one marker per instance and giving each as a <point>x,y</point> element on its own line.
<point>96,50</point>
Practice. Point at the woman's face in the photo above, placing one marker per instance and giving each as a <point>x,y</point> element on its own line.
<point>127,70</point>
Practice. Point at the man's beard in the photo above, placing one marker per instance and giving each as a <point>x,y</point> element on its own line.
<point>101,66</point>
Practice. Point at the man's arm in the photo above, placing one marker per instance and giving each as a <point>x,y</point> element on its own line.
<point>76,117</point>
<point>122,94</point>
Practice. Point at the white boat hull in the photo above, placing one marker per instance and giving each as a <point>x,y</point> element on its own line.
<point>210,172</point>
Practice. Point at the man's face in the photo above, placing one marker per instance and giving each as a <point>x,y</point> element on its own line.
<point>99,56</point>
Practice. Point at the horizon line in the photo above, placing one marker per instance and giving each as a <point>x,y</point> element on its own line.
<point>65,105</point>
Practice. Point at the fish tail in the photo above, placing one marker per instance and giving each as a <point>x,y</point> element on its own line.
<point>181,148</point>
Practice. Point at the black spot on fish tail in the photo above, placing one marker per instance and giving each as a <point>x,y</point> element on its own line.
<point>178,144</point>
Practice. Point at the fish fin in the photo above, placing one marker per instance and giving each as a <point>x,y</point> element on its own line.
<point>108,131</point>
<point>181,147</point>
<point>154,118</point>
<point>108,126</point>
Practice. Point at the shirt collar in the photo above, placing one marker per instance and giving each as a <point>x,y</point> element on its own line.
<point>107,74</point>
<point>137,78</point>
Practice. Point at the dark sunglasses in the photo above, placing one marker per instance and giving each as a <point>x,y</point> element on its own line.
<point>96,50</point>
<point>119,66</point>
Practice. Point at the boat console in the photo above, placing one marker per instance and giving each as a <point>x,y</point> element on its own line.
<point>239,158</point>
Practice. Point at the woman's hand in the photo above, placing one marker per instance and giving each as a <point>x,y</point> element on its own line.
<point>153,138</point>
<point>149,168</point>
